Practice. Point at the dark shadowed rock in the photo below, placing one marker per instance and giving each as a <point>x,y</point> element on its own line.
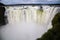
<point>2,17</point>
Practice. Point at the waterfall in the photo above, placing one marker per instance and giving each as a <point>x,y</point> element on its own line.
<point>27,22</point>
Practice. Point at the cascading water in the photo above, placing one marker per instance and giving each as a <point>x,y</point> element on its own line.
<point>26,22</point>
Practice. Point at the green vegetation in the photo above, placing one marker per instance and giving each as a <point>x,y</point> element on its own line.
<point>56,19</point>
<point>54,32</point>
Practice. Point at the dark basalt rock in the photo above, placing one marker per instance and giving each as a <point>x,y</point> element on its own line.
<point>2,16</point>
<point>54,32</point>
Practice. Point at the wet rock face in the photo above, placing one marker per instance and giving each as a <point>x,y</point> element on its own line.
<point>2,17</point>
<point>54,32</point>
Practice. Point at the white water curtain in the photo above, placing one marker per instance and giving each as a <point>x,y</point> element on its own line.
<point>30,14</point>
<point>18,14</point>
<point>26,22</point>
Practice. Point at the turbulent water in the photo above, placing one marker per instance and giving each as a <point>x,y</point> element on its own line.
<point>27,24</point>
